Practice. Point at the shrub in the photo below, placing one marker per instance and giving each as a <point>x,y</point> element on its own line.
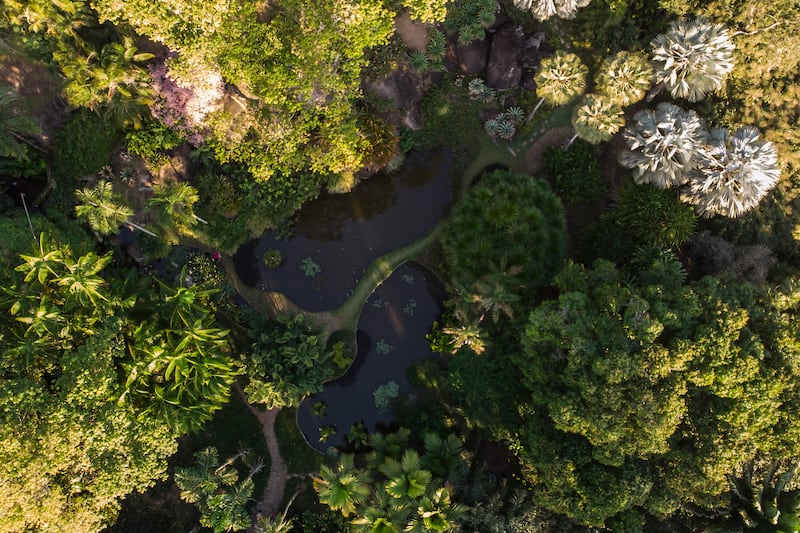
<point>653,215</point>
<point>152,142</point>
<point>83,145</point>
<point>576,175</point>
<point>506,218</point>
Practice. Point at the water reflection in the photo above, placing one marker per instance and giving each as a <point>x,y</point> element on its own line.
<point>336,237</point>
<point>391,336</point>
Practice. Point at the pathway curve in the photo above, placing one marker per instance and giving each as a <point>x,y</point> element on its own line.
<point>278,472</point>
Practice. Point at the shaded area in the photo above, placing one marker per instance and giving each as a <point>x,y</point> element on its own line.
<point>336,237</point>
<point>391,337</point>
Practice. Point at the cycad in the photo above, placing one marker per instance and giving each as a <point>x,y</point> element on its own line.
<point>733,174</point>
<point>596,119</point>
<point>625,78</point>
<point>545,9</point>
<point>692,58</point>
<point>561,79</point>
<point>662,145</point>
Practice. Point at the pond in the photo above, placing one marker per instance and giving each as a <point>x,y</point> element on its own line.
<point>336,237</point>
<point>391,337</point>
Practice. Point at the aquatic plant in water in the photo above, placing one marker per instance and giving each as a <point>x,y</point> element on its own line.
<point>309,267</point>
<point>326,432</point>
<point>384,393</point>
<point>410,307</point>
<point>383,347</point>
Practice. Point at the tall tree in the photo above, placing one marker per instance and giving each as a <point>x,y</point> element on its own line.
<point>102,208</point>
<point>692,58</point>
<point>734,172</point>
<point>545,9</point>
<point>344,488</point>
<point>625,77</point>
<point>596,119</point>
<point>176,201</point>
<point>662,145</point>
<point>561,79</point>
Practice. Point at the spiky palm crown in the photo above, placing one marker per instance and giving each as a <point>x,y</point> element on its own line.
<point>597,118</point>
<point>733,174</point>
<point>561,78</point>
<point>545,9</point>
<point>692,58</point>
<point>625,77</point>
<point>662,145</point>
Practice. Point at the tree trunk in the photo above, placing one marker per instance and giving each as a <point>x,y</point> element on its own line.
<point>535,109</point>
<point>570,141</point>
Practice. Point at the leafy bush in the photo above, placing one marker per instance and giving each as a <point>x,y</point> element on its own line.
<point>83,145</point>
<point>576,175</point>
<point>152,142</point>
<point>653,215</point>
<point>286,361</point>
<point>506,218</point>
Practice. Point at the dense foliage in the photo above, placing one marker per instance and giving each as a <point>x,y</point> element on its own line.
<point>508,218</point>
<point>287,361</point>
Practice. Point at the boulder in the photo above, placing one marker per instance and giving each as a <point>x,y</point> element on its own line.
<point>471,58</point>
<point>504,69</point>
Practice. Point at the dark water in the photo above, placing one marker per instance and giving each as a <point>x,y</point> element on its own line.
<point>343,234</point>
<point>391,336</point>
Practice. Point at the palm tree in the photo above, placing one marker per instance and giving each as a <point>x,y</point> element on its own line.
<point>466,334</point>
<point>102,208</point>
<point>561,79</point>
<point>384,514</point>
<point>692,58</point>
<point>175,200</point>
<point>344,488</point>
<point>441,454</point>
<point>15,125</point>
<point>406,479</point>
<point>383,446</point>
<point>734,172</point>
<point>437,513</point>
<point>545,9</point>
<point>492,296</point>
<point>662,145</point>
<point>625,77</point>
<point>596,119</point>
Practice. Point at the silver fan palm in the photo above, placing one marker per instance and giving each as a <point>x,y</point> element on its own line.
<point>733,174</point>
<point>692,58</point>
<point>545,9</point>
<point>662,145</point>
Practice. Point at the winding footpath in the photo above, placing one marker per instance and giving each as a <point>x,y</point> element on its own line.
<point>272,496</point>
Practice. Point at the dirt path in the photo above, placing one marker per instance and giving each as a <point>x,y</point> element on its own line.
<point>272,496</point>
<point>552,137</point>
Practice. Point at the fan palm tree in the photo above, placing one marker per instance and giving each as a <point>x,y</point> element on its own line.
<point>383,446</point>
<point>102,208</point>
<point>625,77</point>
<point>596,119</point>
<point>15,124</point>
<point>545,9</point>
<point>662,145</point>
<point>342,489</point>
<point>561,79</point>
<point>692,58</point>
<point>175,200</point>
<point>441,455</point>
<point>406,479</point>
<point>437,513</point>
<point>734,172</point>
